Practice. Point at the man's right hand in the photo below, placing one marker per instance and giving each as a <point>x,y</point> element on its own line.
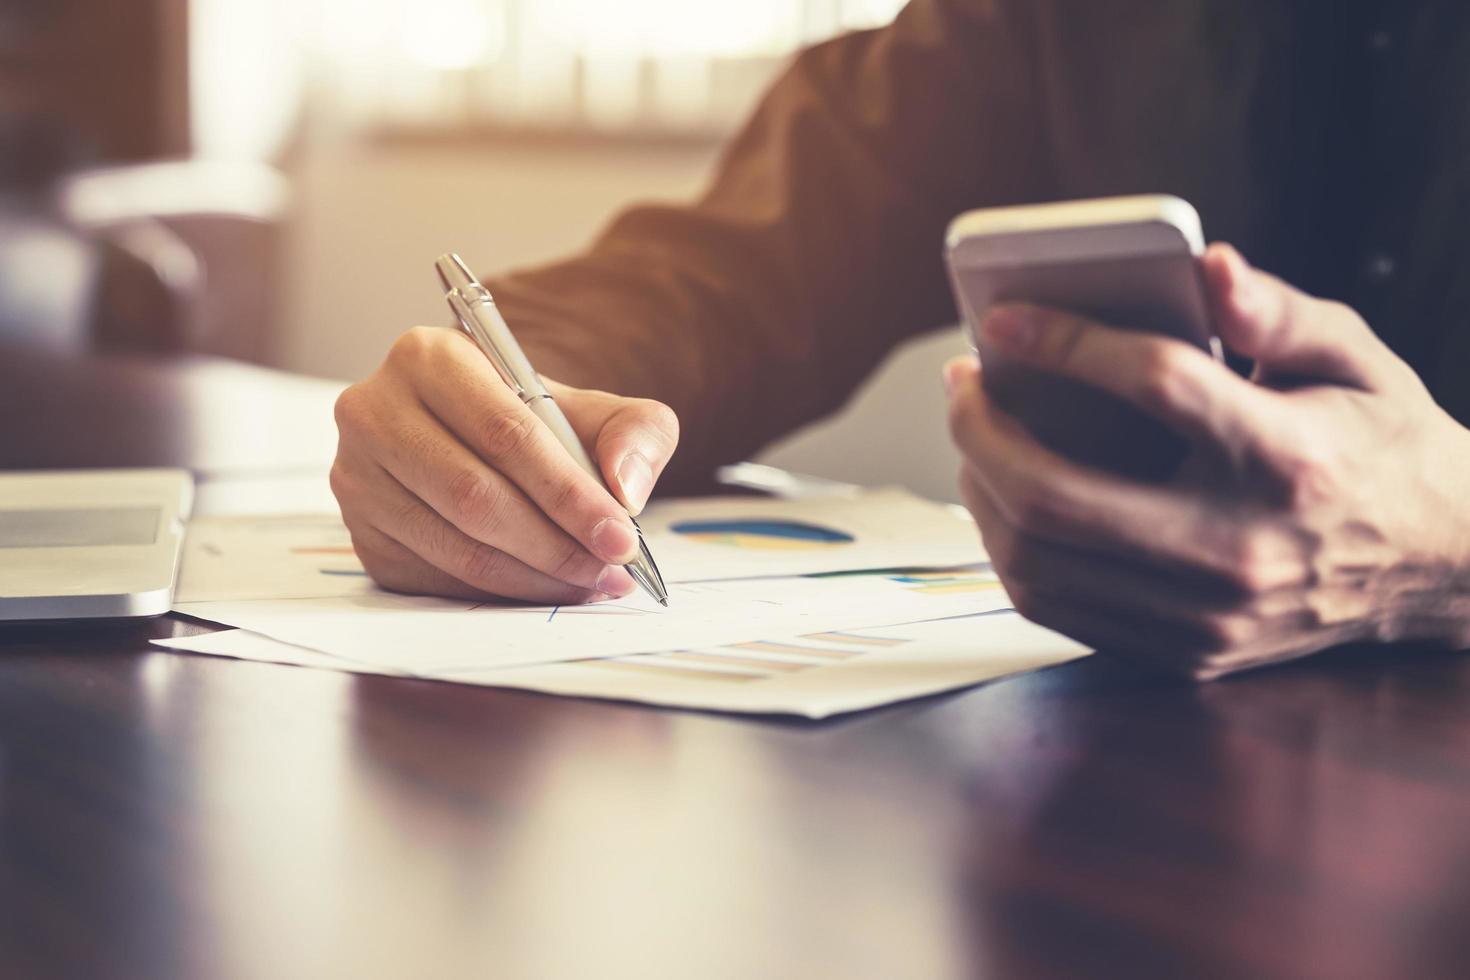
<point>451,486</point>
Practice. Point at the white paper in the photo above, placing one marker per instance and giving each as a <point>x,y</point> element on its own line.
<point>406,633</point>
<point>811,675</point>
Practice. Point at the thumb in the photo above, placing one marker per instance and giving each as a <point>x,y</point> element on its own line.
<point>631,439</point>
<point>1291,336</point>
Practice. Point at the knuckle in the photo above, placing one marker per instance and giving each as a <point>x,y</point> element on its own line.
<point>349,409</point>
<point>379,567</point>
<point>1345,314</point>
<point>1222,633</point>
<point>475,501</point>
<point>1251,567</point>
<point>373,564</point>
<point>1409,382</point>
<point>380,571</point>
<point>395,578</point>
<point>1160,377</point>
<point>1025,561</point>
<point>419,442</point>
<point>661,419</point>
<point>507,432</point>
<point>985,521</point>
<point>996,535</point>
<point>419,528</point>
<point>998,548</point>
<point>1214,636</point>
<point>569,496</point>
<point>360,545</point>
<point>573,564</point>
<point>1030,512</point>
<point>1313,475</point>
<point>1357,332</point>
<point>958,418</point>
<point>1024,599</point>
<point>1161,356</point>
<point>1065,333</point>
<point>1253,577</point>
<point>414,346</point>
<point>340,481</point>
<point>479,564</point>
<point>1204,669</point>
<point>969,489</point>
<point>1037,507</point>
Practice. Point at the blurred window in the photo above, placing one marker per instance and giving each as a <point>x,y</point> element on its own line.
<point>655,67</point>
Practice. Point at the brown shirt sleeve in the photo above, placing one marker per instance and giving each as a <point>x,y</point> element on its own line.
<point>818,245</point>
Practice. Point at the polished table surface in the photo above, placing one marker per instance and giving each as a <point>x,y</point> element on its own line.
<point>171,815</point>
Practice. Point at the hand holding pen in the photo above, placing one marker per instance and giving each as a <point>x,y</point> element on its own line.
<point>451,485</point>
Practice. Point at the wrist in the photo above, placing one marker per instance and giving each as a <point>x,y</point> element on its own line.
<point>1450,623</point>
<point>1431,597</point>
<point>1429,607</point>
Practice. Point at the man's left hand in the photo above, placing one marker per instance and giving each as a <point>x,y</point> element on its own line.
<point>1325,500</point>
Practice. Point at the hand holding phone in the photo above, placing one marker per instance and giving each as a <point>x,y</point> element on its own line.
<point>1130,262</point>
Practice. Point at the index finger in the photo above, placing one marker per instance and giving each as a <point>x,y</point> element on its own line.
<point>1179,384</point>
<point>459,386</point>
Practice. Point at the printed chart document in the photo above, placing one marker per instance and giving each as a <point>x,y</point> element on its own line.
<point>311,556</point>
<point>813,675</point>
<point>808,607</point>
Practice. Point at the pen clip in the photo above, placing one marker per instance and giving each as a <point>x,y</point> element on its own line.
<point>470,324</point>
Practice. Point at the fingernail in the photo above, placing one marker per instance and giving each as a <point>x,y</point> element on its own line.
<point>1010,328</point>
<point>1247,286</point>
<point>952,375</point>
<point>1240,279</point>
<point>635,476</point>
<point>614,540</point>
<point>615,581</point>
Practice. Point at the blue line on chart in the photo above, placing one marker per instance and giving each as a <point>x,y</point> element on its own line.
<point>554,611</point>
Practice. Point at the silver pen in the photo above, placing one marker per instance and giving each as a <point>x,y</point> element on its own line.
<point>477,314</point>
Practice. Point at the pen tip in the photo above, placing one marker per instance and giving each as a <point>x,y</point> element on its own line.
<point>663,602</point>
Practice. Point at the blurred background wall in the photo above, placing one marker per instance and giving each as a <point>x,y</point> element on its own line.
<point>334,147</point>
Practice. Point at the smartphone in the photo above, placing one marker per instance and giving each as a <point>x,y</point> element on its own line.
<point>1131,262</point>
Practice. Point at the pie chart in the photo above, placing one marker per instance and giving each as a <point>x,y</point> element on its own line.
<point>763,535</point>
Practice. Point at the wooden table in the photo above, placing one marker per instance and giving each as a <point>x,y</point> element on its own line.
<point>169,815</point>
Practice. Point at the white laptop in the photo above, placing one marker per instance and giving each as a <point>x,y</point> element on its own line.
<point>91,544</point>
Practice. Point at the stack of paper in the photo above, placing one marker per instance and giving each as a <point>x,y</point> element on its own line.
<point>807,607</point>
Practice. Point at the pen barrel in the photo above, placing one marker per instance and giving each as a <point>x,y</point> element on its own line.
<point>643,568</point>
<point>548,411</point>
